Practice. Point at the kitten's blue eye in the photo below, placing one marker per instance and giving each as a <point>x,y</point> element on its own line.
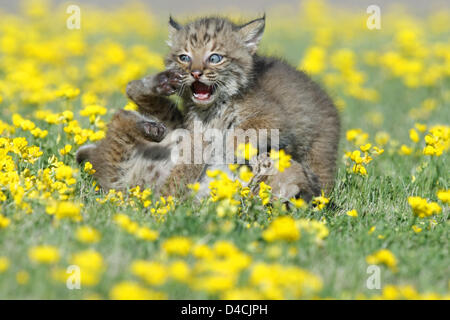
<point>184,58</point>
<point>215,58</point>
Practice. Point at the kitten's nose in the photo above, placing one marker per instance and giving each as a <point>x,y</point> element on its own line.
<point>196,74</point>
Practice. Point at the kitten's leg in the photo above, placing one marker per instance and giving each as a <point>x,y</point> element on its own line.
<point>297,181</point>
<point>150,93</point>
<point>293,182</point>
<point>322,157</point>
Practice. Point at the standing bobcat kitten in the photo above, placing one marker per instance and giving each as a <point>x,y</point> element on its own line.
<point>213,66</point>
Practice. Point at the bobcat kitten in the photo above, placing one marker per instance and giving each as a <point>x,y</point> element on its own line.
<point>213,66</point>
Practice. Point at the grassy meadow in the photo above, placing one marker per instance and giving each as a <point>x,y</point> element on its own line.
<point>389,207</point>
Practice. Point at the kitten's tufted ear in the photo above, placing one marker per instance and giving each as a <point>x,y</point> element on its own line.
<point>174,27</point>
<point>252,32</point>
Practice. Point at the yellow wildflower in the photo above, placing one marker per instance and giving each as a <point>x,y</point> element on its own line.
<point>437,140</point>
<point>282,160</point>
<point>177,245</point>
<point>357,136</point>
<point>383,256</point>
<point>245,174</point>
<point>444,196</point>
<point>320,202</point>
<point>128,290</point>
<point>93,110</point>
<point>352,213</point>
<point>282,228</point>
<point>299,203</point>
<point>88,234</point>
<point>125,222</point>
<point>366,147</point>
<point>420,127</point>
<point>146,234</point>
<point>88,168</point>
<point>65,209</point>
<point>65,173</point>
<point>382,138</point>
<point>317,229</point>
<point>153,273</point>
<point>405,150</point>
<point>413,135</point>
<point>131,106</point>
<point>422,208</point>
<point>194,187</point>
<point>39,133</point>
<point>275,281</point>
<point>4,264</point>
<point>67,148</point>
<point>246,151</point>
<point>89,259</point>
<point>215,283</point>
<point>4,221</point>
<point>44,254</point>
<point>91,266</point>
<point>265,192</point>
<point>314,60</point>
<point>180,271</point>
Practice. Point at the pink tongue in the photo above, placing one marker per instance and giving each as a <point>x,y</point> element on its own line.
<point>201,91</point>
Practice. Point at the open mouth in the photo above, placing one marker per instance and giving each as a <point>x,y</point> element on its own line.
<point>202,92</point>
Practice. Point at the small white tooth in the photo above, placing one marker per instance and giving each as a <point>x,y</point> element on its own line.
<point>202,96</point>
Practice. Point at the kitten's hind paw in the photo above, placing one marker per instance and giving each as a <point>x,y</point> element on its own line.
<point>152,130</point>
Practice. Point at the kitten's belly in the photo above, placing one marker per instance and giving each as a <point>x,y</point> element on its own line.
<point>149,166</point>
<point>141,171</point>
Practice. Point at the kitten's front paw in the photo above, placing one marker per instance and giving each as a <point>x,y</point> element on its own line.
<point>164,83</point>
<point>152,130</point>
<point>167,82</point>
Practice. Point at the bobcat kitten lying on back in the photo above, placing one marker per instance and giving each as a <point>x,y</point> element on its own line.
<point>129,134</point>
<point>213,66</point>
